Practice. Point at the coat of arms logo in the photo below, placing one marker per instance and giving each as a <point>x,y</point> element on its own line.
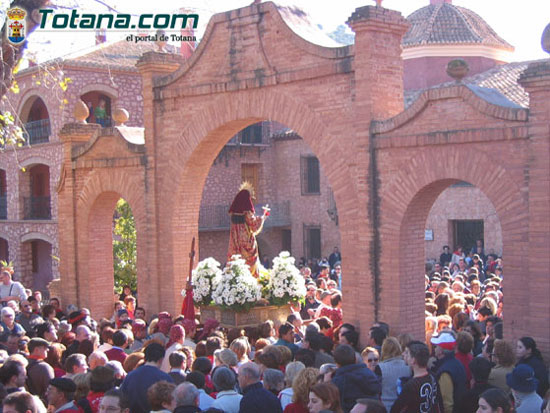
<point>16,25</point>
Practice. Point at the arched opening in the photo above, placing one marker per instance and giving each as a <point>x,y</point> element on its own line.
<point>124,247</point>
<point>462,225</point>
<point>36,121</point>
<point>195,148</point>
<point>100,106</point>
<point>109,245</point>
<point>4,250</point>
<point>36,264</point>
<point>35,192</point>
<point>3,195</point>
<point>287,176</point>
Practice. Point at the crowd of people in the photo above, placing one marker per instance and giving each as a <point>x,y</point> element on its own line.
<point>67,361</point>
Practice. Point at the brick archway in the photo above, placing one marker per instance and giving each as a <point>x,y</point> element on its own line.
<point>405,210</point>
<point>199,144</point>
<point>94,214</point>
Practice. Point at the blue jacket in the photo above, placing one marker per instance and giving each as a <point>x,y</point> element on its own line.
<point>356,381</point>
<point>541,373</point>
<point>449,364</point>
<point>257,399</point>
<point>136,384</point>
<point>291,346</point>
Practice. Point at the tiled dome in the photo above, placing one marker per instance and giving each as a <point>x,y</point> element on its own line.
<point>449,24</point>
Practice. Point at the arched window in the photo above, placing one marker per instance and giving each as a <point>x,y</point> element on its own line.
<point>36,121</point>
<point>99,105</point>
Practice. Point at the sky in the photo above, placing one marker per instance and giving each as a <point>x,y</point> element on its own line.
<point>520,23</point>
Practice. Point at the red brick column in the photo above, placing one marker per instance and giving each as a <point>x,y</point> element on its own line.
<point>152,65</point>
<point>68,248</point>
<point>536,80</point>
<point>379,94</point>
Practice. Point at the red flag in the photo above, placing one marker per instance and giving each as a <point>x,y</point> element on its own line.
<point>188,307</point>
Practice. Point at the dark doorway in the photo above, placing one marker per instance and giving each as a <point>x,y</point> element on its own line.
<point>466,232</point>
<point>287,240</point>
<point>312,241</point>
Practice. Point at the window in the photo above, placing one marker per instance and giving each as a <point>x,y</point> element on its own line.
<point>312,241</point>
<point>250,172</point>
<point>252,134</point>
<point>311,176</point>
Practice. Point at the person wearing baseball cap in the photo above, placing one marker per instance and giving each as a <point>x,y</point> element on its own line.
<point>450,373</point>
<point>523,383</point>
<point>60,395</point>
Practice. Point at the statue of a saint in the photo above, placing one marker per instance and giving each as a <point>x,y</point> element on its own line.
<point>245,226</point>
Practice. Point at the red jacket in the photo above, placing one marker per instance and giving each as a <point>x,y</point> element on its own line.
<point>116,354</point>
<point>296,407</point>
<point>465,360</point>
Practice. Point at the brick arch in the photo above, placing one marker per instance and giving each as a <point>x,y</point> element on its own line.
<point>31,236</point>
<point>200,143</point>
<point>95,206</point>
<point>35,160</point>
<point>457,91</point>
<point>100,87</point>
<point>408,201</point>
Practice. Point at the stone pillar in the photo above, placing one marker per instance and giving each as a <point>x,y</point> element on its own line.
<point>536,312</point>
<point>378,71</point>
<point>153,65</point>
<point>72,134</point>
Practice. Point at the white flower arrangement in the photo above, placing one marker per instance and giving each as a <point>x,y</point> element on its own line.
<point>237,289</point>
<point>205,280</point>
<point>286,284</point>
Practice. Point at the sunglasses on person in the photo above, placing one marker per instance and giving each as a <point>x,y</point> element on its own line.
<point>372,360</point>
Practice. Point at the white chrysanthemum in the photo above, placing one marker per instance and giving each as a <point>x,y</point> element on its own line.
<point>237,285</point>
<point>205,279</point>
<point>286,282</point>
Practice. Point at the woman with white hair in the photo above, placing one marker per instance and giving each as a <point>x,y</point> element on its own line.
<point>9,325</point>
<point>291,371</point>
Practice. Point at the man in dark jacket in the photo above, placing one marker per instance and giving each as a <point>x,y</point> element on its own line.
<point>255,397</point>
<point>450,373</point>
<point>354,380</point>
<point>186,398</point>
<point>480,368</point>
<point>39,373</point>
<point>137,382</point>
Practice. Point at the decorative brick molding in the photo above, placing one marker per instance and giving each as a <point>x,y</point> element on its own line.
<point>458,91</point>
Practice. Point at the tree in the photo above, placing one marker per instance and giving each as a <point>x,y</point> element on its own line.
<point>124,247</point>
